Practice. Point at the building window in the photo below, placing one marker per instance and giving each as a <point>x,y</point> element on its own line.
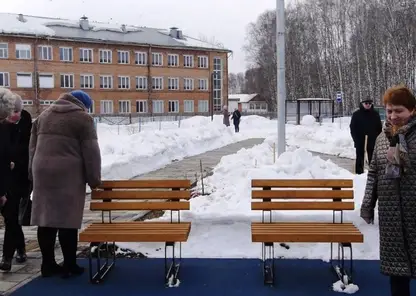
<point>123,82</point>
<point>24,80</point>
<point>217,87</point>
<point>141,82</point>
<point>157,83</point>
<point>173,106</point>
<point>123,57</point>
<point>85,55</point>
<point>106,107</point>
<point>157,59</point>
<point>27,103</point>
<point>46,102</point>
<point>188,61</point>
<point>87,81</point>
<point>188,106</point>
<point>173,83</point>
<point>106,81</point>
<point>188,84</point>
<point>106,56</point>
<point>66,54</point>
<point>141,106</point>
<point>203,106</point>
<point>46,80</point>
<point>141,58</point>
<point>4,79</point>
<point>23,51</point>
<point>203,84</point>
<point>67,80</point>
<point>45,52</point>
<point>4,50</point>
<point>173,60</point>
<point>158,106</point>
<point>124,106</point>
<point>203,62</point>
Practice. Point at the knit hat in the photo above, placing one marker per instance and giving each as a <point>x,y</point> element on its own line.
<point>83,97</point>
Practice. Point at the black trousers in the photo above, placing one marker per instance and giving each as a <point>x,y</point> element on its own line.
<point>400,286</point>
<point>237,127</point>
<point>13,235</point>
<point>68,239</point>
<point>359,158</point>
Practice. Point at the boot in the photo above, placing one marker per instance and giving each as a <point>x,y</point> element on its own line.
<point>6,264</point>
<point>21,256</point>
<point>74,270</point>
<point>51,270</point>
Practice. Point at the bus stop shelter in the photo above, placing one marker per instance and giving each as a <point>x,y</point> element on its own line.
<point>317,107</point>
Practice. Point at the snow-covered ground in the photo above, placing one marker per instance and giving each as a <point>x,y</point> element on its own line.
<point>130,150</point>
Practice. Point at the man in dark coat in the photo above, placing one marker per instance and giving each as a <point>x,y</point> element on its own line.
<point>364,122</point>
<point>236,120</point>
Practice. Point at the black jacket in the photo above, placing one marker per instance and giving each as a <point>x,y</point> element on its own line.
<point>236,117</point>
<point>5,149</point>
<point>365,122</point>
<point>20,138</point>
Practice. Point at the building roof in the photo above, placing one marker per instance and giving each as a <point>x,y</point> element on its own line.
<point>242,98</point>
<point>314,99</point>
<point>89,31</point>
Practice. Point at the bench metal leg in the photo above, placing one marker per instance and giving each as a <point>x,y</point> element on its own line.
<point>338,264</point>
<point>267,253</point>
<point>102,269</point>
<point>172,264</point>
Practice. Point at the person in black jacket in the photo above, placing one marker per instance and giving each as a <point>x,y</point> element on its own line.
<point>19,125</point>
<point>6,107</point>
<point>364,122</point>
<point>236,120</point>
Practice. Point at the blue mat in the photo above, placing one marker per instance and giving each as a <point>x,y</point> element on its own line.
<point>211,277</point>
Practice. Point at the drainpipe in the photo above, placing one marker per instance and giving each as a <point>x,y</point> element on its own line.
<point>149,81</point>
<point>36,103</point>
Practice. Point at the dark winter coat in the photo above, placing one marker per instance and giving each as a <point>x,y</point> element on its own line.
<point>236,117</point>
<point>64,157</point>
<point>5,149</point>
<point>20,137</point>
<point>365,122</point>
<point>396,206</point>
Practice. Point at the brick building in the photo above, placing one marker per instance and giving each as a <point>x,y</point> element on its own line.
<point>125,69</point>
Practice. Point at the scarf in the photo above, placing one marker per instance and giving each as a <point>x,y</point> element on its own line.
<point>399,163</point>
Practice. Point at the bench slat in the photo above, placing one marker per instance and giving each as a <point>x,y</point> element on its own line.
<point>303,183</point>
<point>138,232</point>
<point>311,206</point>
<point>302,194</point>
<point>141,194</point>
<point>110,184</point>
<point>302,232</point>
<point>137,206</point>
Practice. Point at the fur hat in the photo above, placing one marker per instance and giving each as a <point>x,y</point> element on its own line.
<point>7,102</point>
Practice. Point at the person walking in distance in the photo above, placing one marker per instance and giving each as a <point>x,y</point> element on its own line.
<point>236,119</point>
<point>391,183</point>
<point>19,124</point>
<point>64,156</point>
<point>364,122</point>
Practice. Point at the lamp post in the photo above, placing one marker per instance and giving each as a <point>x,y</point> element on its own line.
<point>281,81</point>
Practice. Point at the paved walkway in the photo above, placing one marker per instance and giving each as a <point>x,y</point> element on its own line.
<point>186,168</point>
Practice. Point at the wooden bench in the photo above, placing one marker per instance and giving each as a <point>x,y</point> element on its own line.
<point>304,195</point>
<point>138,195</point>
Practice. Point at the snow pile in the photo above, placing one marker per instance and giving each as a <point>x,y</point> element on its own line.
<point>127,153</point>
<point>330,138</point>
<point>347,289</point>
<point>308,120</point>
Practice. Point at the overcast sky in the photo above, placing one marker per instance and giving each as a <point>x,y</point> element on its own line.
<point>225,20</point>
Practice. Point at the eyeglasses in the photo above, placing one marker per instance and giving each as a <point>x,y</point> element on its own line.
<point>367,103</point>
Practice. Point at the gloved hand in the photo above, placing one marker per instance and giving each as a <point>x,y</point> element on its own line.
<point>3,200</point>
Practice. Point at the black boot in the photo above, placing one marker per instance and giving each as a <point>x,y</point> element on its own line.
<point>68,239</point>
<point>74,270</point>
<point>51,270</point>
<point>21,256</point>
<point>6,264</point>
